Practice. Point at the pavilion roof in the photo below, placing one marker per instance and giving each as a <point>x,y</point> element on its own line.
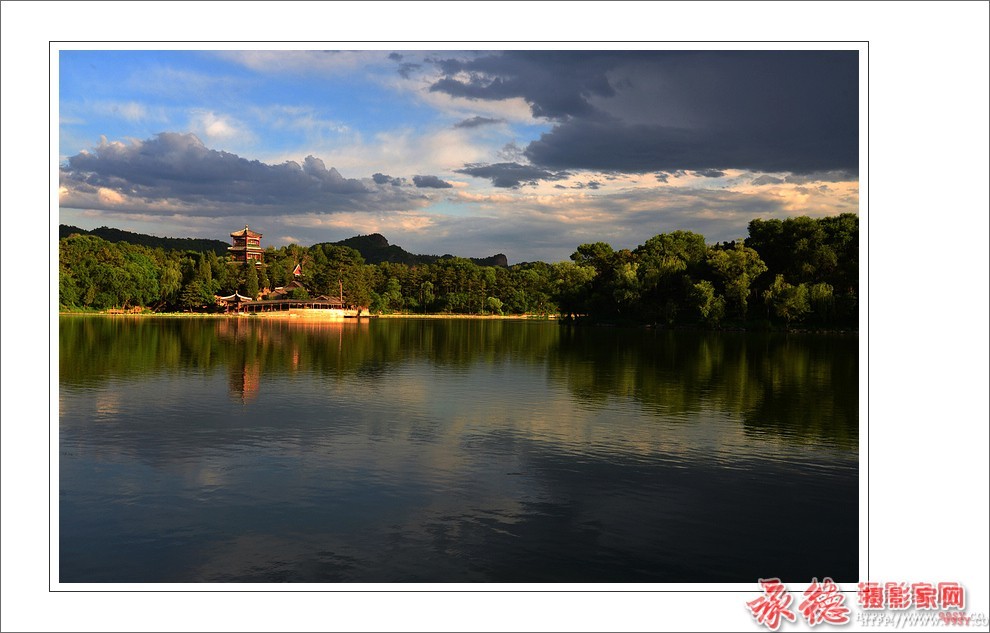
<point>246,232</point>
<point>235,297</point>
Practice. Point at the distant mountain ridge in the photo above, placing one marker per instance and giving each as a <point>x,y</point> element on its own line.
<point>374,248</point>
<point>200,245</point>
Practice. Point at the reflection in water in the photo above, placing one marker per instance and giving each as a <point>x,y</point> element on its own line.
<point>453,450</point>
<point>800,388</point>
<point>245,380</point>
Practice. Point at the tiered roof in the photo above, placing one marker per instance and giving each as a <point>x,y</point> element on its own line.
<point>246,232</point>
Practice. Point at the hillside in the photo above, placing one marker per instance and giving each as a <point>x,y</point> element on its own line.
<point>151,241</point>
<point>376,249</point>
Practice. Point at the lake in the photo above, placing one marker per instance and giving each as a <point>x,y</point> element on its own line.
<point>452,450</point>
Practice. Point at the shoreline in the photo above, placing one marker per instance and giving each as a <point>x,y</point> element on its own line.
<point>505,317</point>
<point>453,317</point>
<point>205,315</point>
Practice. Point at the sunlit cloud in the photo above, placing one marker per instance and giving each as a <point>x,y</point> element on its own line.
<point>109,196</point>
<point>219,127</point>
<point>348,224</point>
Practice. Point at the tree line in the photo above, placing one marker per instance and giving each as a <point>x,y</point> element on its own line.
<point>785,272</point>
<point>173,243</point>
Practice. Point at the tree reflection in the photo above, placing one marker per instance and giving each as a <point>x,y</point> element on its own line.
<point>799,388</point>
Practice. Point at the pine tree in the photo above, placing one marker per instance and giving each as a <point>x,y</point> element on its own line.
<point>251,281</point>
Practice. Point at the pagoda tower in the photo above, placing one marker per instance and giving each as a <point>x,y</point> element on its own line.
<point>247,246</point>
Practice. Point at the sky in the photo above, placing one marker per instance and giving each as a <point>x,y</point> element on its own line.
<point>471,153</point>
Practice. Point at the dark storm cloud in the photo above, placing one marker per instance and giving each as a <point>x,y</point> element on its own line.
<point>607,146</point>
<point>383,179</point>
<point>591,184</point>
<point>643,111</point>
<point>477,121</point>
<point>430,182</point>
<point>510,153</point>
<point>405,68</point>
<point>511,175</point>
<point>709,173</point>
<point>804,179</point>
<point>177,173</point>
<point>556,84</point>
<point>826,176</point>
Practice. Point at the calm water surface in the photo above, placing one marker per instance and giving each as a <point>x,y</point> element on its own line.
<point>246,450</point>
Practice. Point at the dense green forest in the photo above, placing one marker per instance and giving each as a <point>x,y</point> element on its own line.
<point>173,243</point>
<point>786,272</point>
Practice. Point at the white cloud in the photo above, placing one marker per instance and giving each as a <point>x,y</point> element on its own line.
<point>402,152</point>
<point>219,127</point>
<point>81,112</point>
<point>130,111</point>
<point>300,118</point>
<point>175,82</point>
<point>308,62</point>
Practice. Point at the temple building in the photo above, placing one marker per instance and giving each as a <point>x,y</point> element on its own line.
<point>247,246</point>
